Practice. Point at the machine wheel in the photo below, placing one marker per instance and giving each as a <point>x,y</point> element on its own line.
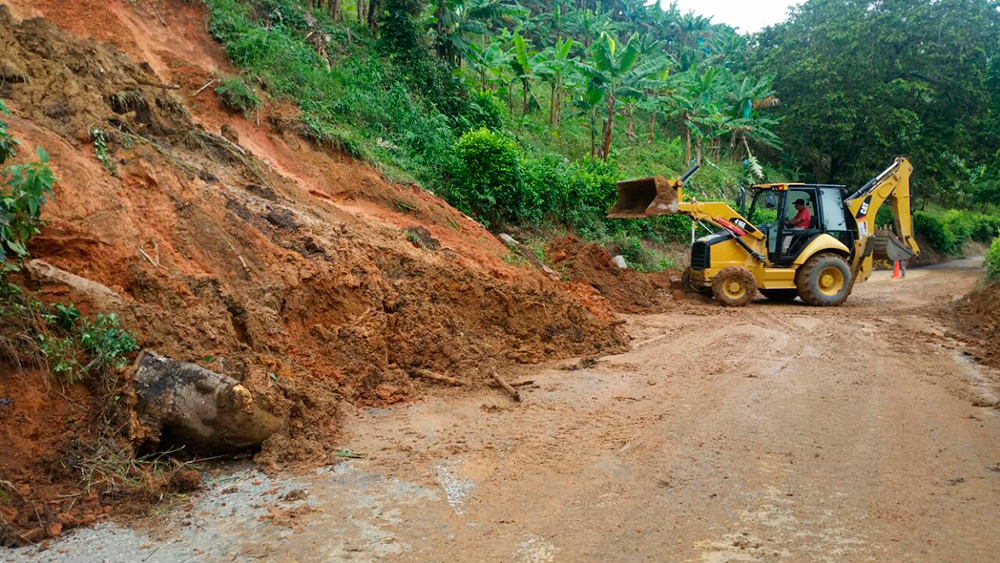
<point>824,280</point>
<point>780,295</point>
<point>688,286</point>
<point>734,286</point>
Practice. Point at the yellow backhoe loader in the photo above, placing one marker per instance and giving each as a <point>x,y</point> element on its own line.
<point>758,249</point>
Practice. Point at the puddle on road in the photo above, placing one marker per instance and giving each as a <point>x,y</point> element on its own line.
<point>455,488</point>
<point>346,513</point>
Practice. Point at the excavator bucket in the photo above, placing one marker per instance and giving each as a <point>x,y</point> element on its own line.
<point>648,197</point>
<point>886,246</point>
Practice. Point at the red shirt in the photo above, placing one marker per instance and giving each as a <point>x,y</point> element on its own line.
<point>802,219</point>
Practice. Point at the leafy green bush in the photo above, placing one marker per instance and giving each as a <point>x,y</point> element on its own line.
<point>487,110</point>
<point>992,262</point>
<point>490,179</point>
<point>935,231</point>
<point>23,190</point>
<point>237,96</point>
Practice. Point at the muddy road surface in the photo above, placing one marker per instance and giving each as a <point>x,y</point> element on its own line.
<point>769,433</point>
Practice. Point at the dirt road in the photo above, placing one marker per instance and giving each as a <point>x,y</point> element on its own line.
<point>770,433</point>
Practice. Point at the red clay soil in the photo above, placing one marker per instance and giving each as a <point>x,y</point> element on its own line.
<point>588,266</point>
<point>283,264</point>
<point>978,318</point>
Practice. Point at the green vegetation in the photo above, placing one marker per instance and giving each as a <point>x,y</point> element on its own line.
<point>528,113</point>
<point>70,345</point>
<point>23,189</point>
<point>948,231</point>
<point>101,151</point>
<point>237,96</point>
<point>993,260</point>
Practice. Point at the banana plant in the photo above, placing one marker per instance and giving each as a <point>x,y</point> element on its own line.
<point>614,74</point>
<point>556,65</point>
<point>524,64</point>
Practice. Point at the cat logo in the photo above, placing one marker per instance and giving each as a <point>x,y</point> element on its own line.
<point>863,211</point>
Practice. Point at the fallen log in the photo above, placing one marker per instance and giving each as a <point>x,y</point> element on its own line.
<point>506,386</point>
<point>184,404</point>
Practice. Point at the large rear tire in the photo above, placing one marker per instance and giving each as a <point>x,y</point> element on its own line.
<point>824,280</point>
<point>734,286</point>
<point>780,295</point>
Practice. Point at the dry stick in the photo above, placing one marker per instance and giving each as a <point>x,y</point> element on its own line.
<point>159,17</point>
<point>506,386</point>
<point>515,384</point>
<point>207,84</point>
<point>509,240</point>
<point>428,374</point>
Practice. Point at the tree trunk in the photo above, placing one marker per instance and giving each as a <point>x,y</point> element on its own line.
<point>335,10</point>
<point>687,145</point>
<point>524,97</point>
<point>609,126</point>
<point>593,131</point>
<point>552,105</point>
<point>361,12</point>
<point>559,104</point>
<point>187,405</point>
<point>510,99</point>
<point>439,14</point>
<point>652,127</point>
<point>373,14</point>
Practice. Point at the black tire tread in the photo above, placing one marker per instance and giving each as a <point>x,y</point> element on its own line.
<point>725,275</point>
<point>810,294</point>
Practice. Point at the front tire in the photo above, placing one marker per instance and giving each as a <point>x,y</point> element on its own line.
<point>734,286</point>
<point>690,287</point>
<point>824,280</point>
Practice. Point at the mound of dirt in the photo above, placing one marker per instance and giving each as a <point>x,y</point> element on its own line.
<point>978,317</point>
<point>276,262</point>
<point>589,265</point>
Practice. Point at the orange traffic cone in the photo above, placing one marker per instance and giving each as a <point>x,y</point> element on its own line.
<point>895,271</point>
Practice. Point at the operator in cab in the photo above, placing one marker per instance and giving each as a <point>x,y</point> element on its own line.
<point>801,220</point>
<point>802,217</point>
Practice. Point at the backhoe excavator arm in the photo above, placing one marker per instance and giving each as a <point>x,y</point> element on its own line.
<point>893,184</point>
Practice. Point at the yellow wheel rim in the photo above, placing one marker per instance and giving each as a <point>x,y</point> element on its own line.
<point>831,280</point>
<point>734,289</point>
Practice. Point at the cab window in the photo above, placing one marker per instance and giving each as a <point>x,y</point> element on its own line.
<point>808,196</point>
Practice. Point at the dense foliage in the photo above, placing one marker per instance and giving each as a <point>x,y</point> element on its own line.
<point>861,81</point>
<point>581,94</point>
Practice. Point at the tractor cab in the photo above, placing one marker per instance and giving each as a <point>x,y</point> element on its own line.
<point>772,209</point>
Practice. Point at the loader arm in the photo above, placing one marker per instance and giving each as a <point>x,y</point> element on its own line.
<point>656,195</point>
<point>892,185</point>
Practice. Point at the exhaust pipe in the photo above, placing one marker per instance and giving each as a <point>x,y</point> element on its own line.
<point>648,197</point>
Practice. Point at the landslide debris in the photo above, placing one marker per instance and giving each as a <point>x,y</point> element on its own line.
<point>590,265</point>
<point>978,318</point>
<point>296,280</point>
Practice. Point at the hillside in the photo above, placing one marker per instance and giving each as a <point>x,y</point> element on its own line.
<point>281,263</point>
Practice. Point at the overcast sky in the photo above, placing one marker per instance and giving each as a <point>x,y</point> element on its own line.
<point>747,16</point>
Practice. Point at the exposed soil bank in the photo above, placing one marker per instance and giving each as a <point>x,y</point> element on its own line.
<point>280,264</point>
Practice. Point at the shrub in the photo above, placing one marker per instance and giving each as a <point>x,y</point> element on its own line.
<point>23,190</point>
<point>237,96</point>
<point>992,262</point>
<point>485,109</point>
<point>490,179</point>
<point>935,231</point>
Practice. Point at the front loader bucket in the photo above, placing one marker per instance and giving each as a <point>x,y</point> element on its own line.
<point>646,197</point>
